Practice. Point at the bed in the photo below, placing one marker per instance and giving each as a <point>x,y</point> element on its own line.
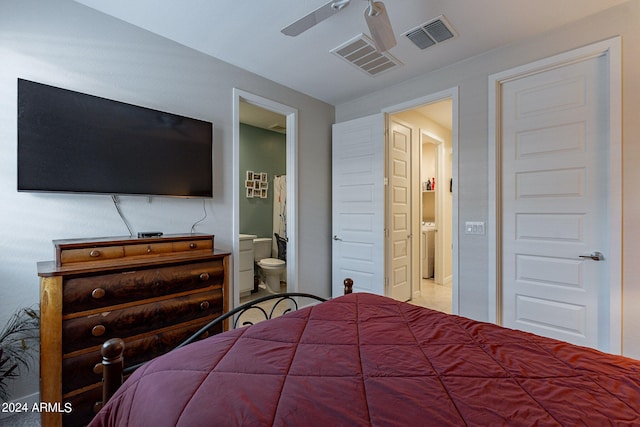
<point>367,360</point>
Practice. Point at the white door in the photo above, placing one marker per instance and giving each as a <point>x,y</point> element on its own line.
<point>555,136</point>
<point>358,204</point>
<point>400,220</point>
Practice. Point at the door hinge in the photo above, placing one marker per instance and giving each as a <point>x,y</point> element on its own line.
<point>386,181</point>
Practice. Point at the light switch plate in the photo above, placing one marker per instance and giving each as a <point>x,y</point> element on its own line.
<point>474,227</point>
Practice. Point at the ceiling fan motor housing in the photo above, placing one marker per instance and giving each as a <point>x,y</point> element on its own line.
<point>380,27</point>
<point>340,4</point>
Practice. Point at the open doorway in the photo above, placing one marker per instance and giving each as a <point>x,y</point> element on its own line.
<point>429,226</point>
<point>265,205</point>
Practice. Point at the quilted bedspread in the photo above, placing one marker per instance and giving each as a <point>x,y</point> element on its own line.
<point>362,360</point>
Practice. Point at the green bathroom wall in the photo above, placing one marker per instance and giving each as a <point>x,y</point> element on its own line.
<point>261,150</point>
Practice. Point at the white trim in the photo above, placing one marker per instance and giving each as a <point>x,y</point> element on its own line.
<point>612,49</point>
<point>430,135</point>
<point>452,94</point>
<point>292,185</point>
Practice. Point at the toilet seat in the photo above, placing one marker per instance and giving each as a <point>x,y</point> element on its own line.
<point>271,263</point>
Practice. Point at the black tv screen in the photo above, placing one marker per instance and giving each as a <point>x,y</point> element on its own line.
<point>74,142</point>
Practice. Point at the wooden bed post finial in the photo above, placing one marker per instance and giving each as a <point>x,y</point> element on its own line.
<point>348,286</point>
<point>113,363</point>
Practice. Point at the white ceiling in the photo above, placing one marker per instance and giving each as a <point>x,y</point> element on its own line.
<point>246,33</point>
<point>259,117</point>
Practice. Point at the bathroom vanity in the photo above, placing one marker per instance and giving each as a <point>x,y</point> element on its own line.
<point>246,264</point>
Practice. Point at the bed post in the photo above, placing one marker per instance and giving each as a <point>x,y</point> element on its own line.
<point>348,286</point>
<point>113,364</point>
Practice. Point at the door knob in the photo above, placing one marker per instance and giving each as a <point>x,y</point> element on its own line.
<point>596,256</point>
<point>336,237</point>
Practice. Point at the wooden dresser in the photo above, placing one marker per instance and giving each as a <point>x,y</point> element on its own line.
<point>151,292</point>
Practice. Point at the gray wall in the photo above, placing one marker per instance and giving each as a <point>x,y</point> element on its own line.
<point>261,150</point>
<point>65,44</point>
<point>471,76</point>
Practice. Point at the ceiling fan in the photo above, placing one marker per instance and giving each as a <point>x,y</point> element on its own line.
<point>375,14</point>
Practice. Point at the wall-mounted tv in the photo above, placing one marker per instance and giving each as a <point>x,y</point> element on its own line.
<point>74,142</point>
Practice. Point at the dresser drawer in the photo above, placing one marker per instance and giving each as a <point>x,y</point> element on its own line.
<point>91,292</point>
<point>86,369</point>
<point>147,249</point>
<point>103,253</point>
<point>194,245</point>
<point>93,330</point>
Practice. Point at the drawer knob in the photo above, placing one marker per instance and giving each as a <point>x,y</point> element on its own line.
<point>204,305</point>
<point>193,245</point>
<point>98,368</point>
<point>148,249</point>
<point>98,330</point>
<point>98,293</point>
<point>95,253</point>
<point>204,276</point>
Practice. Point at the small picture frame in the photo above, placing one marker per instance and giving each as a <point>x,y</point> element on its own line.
<point>250,175</point>
<point>263,177</point>
<point>263,193</point>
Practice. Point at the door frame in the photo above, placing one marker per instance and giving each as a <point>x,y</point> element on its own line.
<point>451,93</point>
<point>291,115</point>
<point>610,48</point>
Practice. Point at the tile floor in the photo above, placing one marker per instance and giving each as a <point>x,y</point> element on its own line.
<point>434,296</point>
<point>255,316</point>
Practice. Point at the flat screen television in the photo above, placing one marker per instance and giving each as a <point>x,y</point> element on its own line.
<point>74,142</point>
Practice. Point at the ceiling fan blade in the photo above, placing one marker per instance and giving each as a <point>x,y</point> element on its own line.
<point>380,27</point>
<point>315,17</point>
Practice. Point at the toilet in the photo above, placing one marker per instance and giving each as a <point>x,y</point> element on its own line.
<point>271,267</point>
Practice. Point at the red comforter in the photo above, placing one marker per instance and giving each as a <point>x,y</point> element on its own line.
<point>363,360</point>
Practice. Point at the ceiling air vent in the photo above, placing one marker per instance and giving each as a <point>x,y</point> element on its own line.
<point>431,33</point>
<point>361,53</point>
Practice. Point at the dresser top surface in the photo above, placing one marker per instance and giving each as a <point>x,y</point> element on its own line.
<point>127,240</point>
